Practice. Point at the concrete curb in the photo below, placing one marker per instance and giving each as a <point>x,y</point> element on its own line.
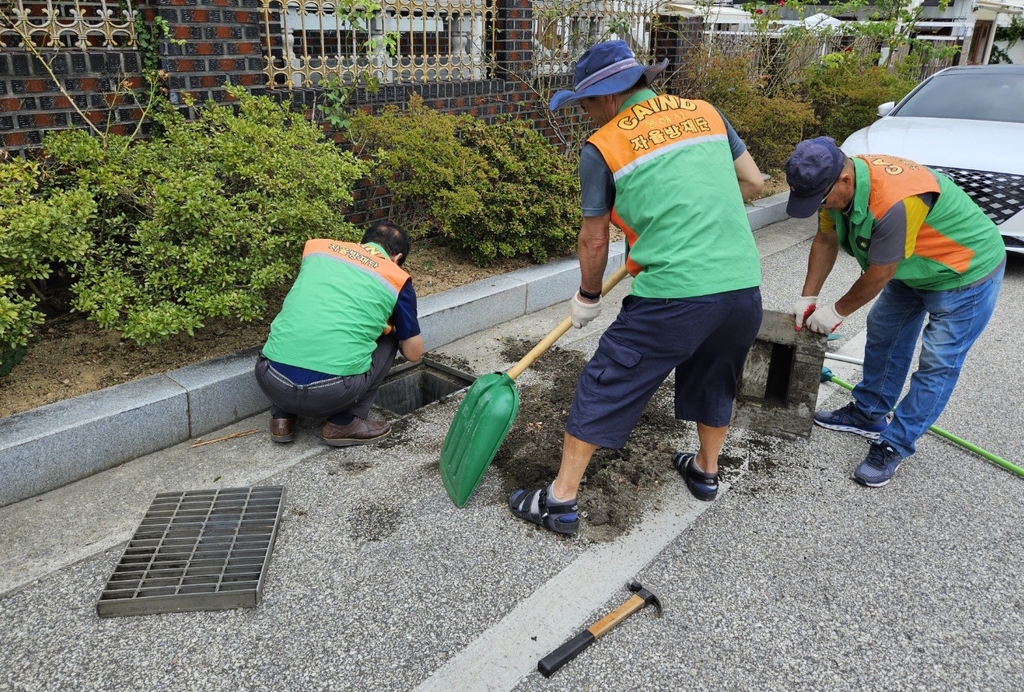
<point>51,446</point>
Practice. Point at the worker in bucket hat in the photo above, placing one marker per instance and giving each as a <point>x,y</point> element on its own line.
<point>672,174</point>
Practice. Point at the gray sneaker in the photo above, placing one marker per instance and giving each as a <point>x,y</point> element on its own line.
<point>878,466</point>
<point>849,419</point>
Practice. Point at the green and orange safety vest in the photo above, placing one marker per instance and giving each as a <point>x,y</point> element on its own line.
<point>337,308</point>
<point>955,246</point>
<point>677,198</point>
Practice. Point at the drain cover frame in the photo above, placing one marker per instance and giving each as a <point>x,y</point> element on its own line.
<point>197,550</point>
<point>424,375</point>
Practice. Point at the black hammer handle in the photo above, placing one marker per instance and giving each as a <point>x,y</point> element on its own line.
<point>575,646</point>
<point>565,653</point>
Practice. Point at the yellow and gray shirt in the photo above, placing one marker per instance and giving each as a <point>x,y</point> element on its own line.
<point>905,212</point>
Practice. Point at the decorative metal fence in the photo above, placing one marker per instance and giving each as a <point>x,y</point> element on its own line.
<point>564,29</point>
<point>785,55</point>
<point>781,57</point>
<point>53,24</point>
<point>316,42</point>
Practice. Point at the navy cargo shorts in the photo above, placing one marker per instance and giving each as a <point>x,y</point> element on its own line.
<point>704,339</point>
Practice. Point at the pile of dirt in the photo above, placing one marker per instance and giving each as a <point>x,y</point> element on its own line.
<point>618,482</point>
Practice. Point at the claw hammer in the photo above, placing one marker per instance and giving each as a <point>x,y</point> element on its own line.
<point>574,647</point>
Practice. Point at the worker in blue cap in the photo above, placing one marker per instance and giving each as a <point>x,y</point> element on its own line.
<point>926,250</point>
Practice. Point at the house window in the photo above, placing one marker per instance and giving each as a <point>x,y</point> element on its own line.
<point>313,42</point>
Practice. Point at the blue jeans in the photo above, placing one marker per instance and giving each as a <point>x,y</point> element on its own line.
<point>955,320</point>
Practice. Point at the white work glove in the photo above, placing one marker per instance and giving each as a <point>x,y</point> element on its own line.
<point>824,320</point>
<point>583,313</point>
<point>803,308</point>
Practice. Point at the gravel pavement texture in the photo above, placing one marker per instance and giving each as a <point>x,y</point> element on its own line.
<point>795,578</point>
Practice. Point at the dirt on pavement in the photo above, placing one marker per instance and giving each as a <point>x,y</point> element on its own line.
<point>617,481</point>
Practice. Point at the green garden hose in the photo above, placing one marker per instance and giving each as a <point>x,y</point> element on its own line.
<point>827,376</point>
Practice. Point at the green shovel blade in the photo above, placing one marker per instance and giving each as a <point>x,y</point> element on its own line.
<point>480,426</point>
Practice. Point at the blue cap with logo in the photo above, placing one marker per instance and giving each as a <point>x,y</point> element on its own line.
<point>813,167</point>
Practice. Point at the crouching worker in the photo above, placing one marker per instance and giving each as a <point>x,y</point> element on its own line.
<point>672,174</point>
<point>350,310</point>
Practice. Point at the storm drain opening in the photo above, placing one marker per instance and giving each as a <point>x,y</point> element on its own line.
<point>411,386</point>
<point>780,372</point>
<point>196,550</point>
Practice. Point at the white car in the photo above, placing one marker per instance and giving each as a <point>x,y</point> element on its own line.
<point>967,122</point>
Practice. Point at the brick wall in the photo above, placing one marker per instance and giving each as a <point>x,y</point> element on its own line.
<point>31,103</point>
<point>223,41</point>
<point>676,36</point>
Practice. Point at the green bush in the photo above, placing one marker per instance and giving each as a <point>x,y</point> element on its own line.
<point>770,127</point>
<point>203,219</point>
<point>492,190</point>
<point>37,228</point>
<point>845,92</point>
<point>418,157</point>
<point>530,203</point>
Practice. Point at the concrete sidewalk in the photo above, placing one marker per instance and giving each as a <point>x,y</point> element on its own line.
<point>795,578</point>
<point>54,445</point>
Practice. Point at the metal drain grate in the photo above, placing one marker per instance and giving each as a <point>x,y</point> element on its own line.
<point>196,550</point>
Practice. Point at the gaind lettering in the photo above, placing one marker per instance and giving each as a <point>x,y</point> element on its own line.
<point>628,123</point>
<point>659,104</point>
<point>640,112</point>
<point>890,168</point>
<point>667,102</point>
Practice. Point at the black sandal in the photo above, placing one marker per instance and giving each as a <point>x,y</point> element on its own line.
<point>533,506</point>
<point>704,486</point>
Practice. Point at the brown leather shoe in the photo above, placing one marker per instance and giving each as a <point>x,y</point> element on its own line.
<point>359,432</point>
<point>282,429</point>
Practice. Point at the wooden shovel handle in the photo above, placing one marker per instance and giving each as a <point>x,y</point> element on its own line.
<point>561,329</point>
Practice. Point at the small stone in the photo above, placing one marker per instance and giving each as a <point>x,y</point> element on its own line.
<point>66,381</point>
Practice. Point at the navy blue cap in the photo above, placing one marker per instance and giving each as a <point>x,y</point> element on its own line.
<point>813,167</point>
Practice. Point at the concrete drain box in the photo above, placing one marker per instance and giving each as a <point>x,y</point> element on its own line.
<point>778,391</point>
<point>410,386</point>
<point>197,550</point>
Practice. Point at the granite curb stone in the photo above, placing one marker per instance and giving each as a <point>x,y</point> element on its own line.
<point>53,445</point>
<point>220,391</point>
<point>60,443</point>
